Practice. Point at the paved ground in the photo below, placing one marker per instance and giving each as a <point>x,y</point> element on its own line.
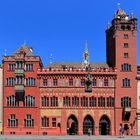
<point>67,138</point>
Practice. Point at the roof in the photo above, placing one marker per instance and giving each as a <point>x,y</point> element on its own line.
<point>120,12</point>
<point>77,65</point>
<point>26,49</point>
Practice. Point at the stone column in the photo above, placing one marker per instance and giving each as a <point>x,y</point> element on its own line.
<point>80,122</point>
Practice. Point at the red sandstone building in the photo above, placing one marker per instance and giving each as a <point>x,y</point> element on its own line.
<point>73,98</point>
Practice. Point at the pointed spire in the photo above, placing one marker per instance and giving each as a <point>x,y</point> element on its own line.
<point>86,55</point>
<point>86,47</point>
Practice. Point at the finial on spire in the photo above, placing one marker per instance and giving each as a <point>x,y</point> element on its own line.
<point>132,15</point>
<point>118,4</point>
<point>5,52</point>
<point>51,58</point>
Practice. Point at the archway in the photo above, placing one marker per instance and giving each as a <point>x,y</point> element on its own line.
<point>88,123</point>
<point>104,125</point>
<point>72,125</point>
<point>126,129</point>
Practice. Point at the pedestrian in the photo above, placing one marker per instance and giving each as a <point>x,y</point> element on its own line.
<point>122,132</point>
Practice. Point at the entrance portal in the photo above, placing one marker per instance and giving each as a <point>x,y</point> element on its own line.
<point>104,126</point>
<point>72,125</point>
<point>88,125</point>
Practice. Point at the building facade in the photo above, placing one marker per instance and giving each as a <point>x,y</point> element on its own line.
<point>72,98</point>
<point>138,99</point>
<point>1,98</point>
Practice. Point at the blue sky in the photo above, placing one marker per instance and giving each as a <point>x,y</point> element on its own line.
<point>60,27</point>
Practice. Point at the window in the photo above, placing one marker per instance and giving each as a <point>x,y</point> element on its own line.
<point>125,36</point>
<point>126,102</point>
<point>45,101</point>
<point>45,122</point>
<point>53,122</point>
<point>29,101</point>
<point>82,82</point>
<point>12,102</point>
<point>125,55</point>
<point>66,101</point>
<point>106,82</point>
<point>126,82</point>
<point>92,101</point>
<point>45,82</point>
<point>28,122</point>
<point>94,82</point>
<point>29,67</point>
<point>110,101</point>
<point>19,80</point>
<point>101,101</point>
<point>70,82</point>
<point>75,101</point>
<point>11,67</point>
<point>55,82</point>
<point>12,122</point>
<point>19,65</point>
<point>30,81</point>
<point>10,81</point>
<point>126,67</point>
<point>125,45</point>
<point>54,101</point>
<point>84,101</point>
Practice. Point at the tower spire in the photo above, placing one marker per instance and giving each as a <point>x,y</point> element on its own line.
<point>86,55</point>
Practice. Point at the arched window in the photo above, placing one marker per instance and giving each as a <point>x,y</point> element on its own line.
<point>45,122</point>
<point>126,67</point>
<point>45,82</point>
<point>66,101</point>
<point>30,81</point>
<point>13,122</point>
<point>10,81</point>
<point>45,101</point>
<point>84,101</point>
<point>110,101</point>
<point>94,82</point>
<point>126,82</point>
<point>101,101</point>
<point>75,101</point>
<point>92,101</point>
<point>28,121</point>
<point>126,102</point>
<point>54,101</point>
<point>11,101</point>
<point>29,101</point>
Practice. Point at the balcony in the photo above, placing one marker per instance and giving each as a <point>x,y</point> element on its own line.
<point>19,87</point>
<point>20,72</point>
